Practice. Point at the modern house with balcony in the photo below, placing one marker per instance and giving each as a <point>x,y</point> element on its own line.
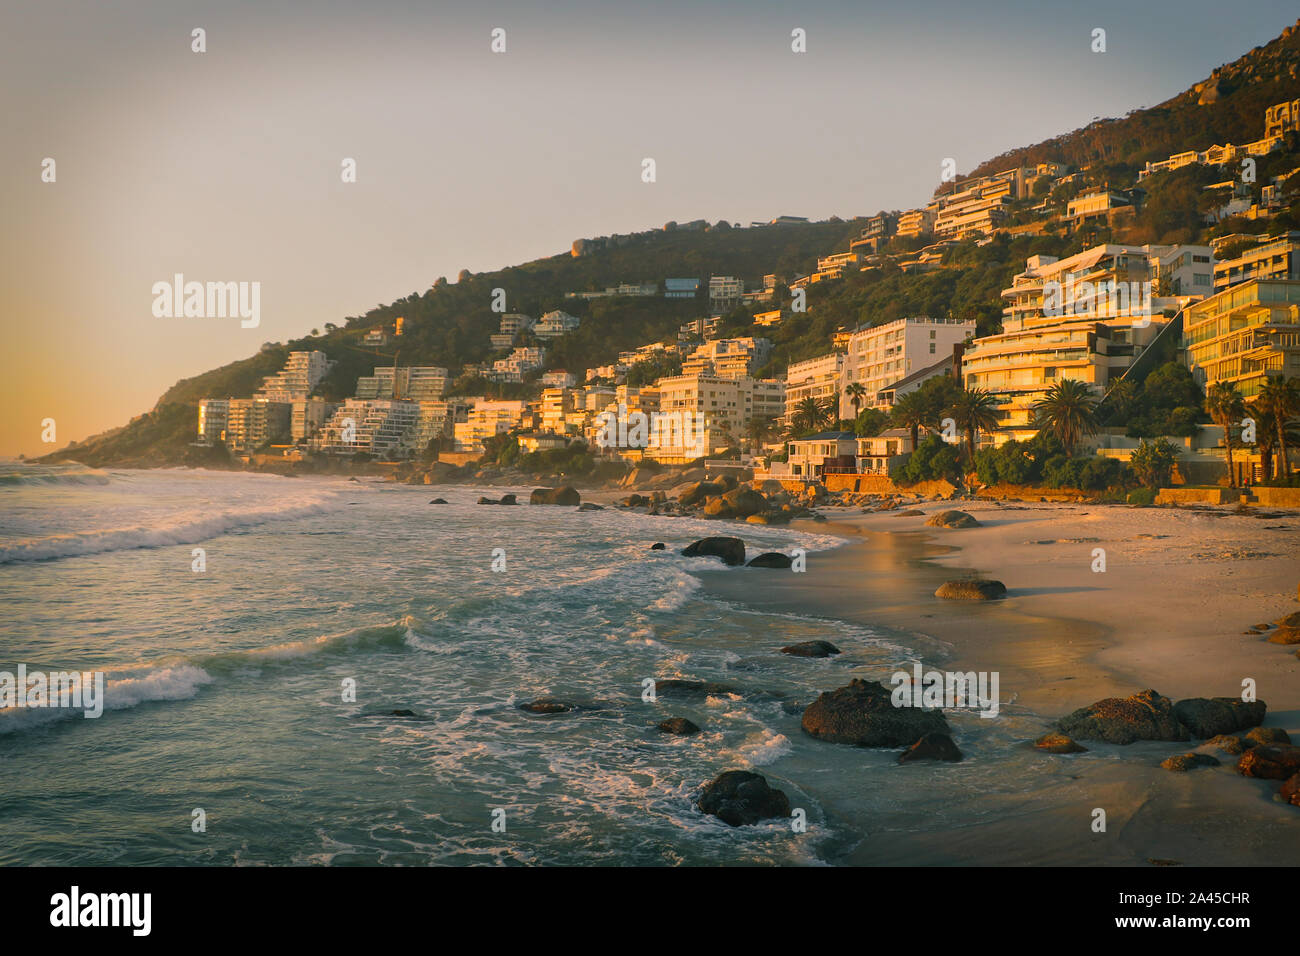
<point>1245,335</point>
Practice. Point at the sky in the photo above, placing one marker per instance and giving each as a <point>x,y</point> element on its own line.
<point>226,165</point>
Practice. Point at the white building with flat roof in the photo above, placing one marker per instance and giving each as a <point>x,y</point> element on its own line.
<point>881,355</point>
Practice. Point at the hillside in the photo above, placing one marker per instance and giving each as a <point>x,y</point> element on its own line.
<point>1227,107</point>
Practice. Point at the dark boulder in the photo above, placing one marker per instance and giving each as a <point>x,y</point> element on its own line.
<point>438,501</point>
<point>771,559</point>
<point>1206,717</point>
<point>697,492</point>
<point>565,495</point>
<point>932,747</point>
<point>674,687</point>
<point>1290,792</point>
<point>508,500</point>
<point>974,590</point>
<point>1058,744</point>
<point>1228,743</point>
<point>1267,736</point>
<point>658,546</point>
<point>862,713</point>
<point>1271,763</point>
<point>547,705</point>
<point>1144,716</point>
<point>679,726</point>
<point>811,649</point>
<point>952,519</point>
<point>741,798</point>
<point>730,550</point>
<point>588,506</point>
<point>1183,762</point>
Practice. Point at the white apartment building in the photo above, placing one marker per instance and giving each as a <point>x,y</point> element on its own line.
<point>299,377</point>
<point>416,383</point>
<point>555,324</point>
<point>729,358</point>
<point>437,420</point>
<point>882,355</point>
<point>725,292</point>
<point>486,419</point>
<point>380,427</point>
<point>817,378</point>
<point>308,416</point>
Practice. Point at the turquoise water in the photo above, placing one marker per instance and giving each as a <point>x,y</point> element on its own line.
<point>225,686</point>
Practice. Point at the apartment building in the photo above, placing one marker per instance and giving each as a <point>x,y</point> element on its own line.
<point>487,419</point>
<point>725,403</point>
<point>915,223</point>
<point>437,421</point>
<point>880,356</point>
<point>214,413</point>
<point>728,358</point>
<point>380,427</point>
<point>681,288</point>
<point>817,378</point>
<point>1246,334</point>
<point>308,417</point>
<point>554,324</point>
<point>725,293</point>
<point>416,383</point>
<point>252,423</point>
<point>556,407</point>
<point>1276,257</point>
<point>301,374</point>
<point>558,378</point>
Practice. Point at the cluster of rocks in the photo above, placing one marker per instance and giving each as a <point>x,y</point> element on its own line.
<point>1285,630</point>
<point>1263,752</point>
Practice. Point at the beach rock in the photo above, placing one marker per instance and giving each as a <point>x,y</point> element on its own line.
<point>719,508</point>
<point>1285,634</point>
<point>758,519</point>
<point>679,726</point>
<point>863,714</point>
<point>588,506</point>
<point>1290,792</point>
<point>635,501</point>
<point>730,550</point>
<point>1290,620</point>
<point>811,649</point>
<point>1144,716</point>
<point>658,546</point>
<point>674,687</point>
<point>1266,736</point>
<point>488,501</point>
<point>1058,744</point>
<point>771,559</point>
<point>547,705</point>
<point>745,502</point>
<point>1210,717</point>
<point>438,501</point>
<point>1183,762</point>
<point>564,495</point>
<point>741,798</point>
<point>932,747</point>
<point>1270,763</point>
<point>1227,743</point>
<point>952,519</point>
<point>975,590</point>
<point>507,500</point>
<point>910,513</point>
<point>697,492</point>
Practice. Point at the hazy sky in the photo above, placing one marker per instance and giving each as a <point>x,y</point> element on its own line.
<point>226,165</point>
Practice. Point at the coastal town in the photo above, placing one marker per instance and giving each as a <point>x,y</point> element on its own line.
<point>1104,318</point>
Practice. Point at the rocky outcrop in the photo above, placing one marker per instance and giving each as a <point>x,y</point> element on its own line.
<point>699,491</point>
<point>1290,792</point>
<point>811,649</point>
<point>1053,743</point>
<point>741,798</point>
<point>771,559</point>
<point>588,506</point>
<point>547,705</point>
<point>1270,763</point>
<point>1227,743</point>
<point>675,687</point>
<point>1116,720</point>
<point>974,590</point>
<point>564,495</point>
<point>658,546</point>
<point>730,550</point>
<point>678,726</point>
<point>863,714</point>
<point>1184,762</point>
<point>952,519</point>
<point>932,747</point>
<point>1206,717</point>
<point>1266,736</point>
<point>438,501</point>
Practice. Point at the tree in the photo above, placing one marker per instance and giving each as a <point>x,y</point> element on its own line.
<point>1282,398</point>
<point>856,395</point>
<point>758,430</point>
<point>1068,411</point>
<point>974,410</point>
<point>1153,462</point>
<point>1225,406</point>
<point>910,411</point>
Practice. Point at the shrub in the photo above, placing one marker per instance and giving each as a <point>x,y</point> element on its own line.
<point>1142,496</point>
<point>934,459</point>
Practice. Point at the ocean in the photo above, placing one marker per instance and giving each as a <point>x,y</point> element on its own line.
<point>226,697</point>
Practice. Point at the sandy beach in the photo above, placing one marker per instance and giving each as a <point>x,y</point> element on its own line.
<point>1179,589</point>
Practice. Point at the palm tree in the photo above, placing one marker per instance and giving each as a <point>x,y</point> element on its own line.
<point>809,413</point>
<point>1282,398</point>
<point>910,411</point>
<point>1225,406</point>
<point>1069,412</point>
<point>1265,435</point>
<point>758,430</point>
<point>857,395</point>
<point>975,410</point>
